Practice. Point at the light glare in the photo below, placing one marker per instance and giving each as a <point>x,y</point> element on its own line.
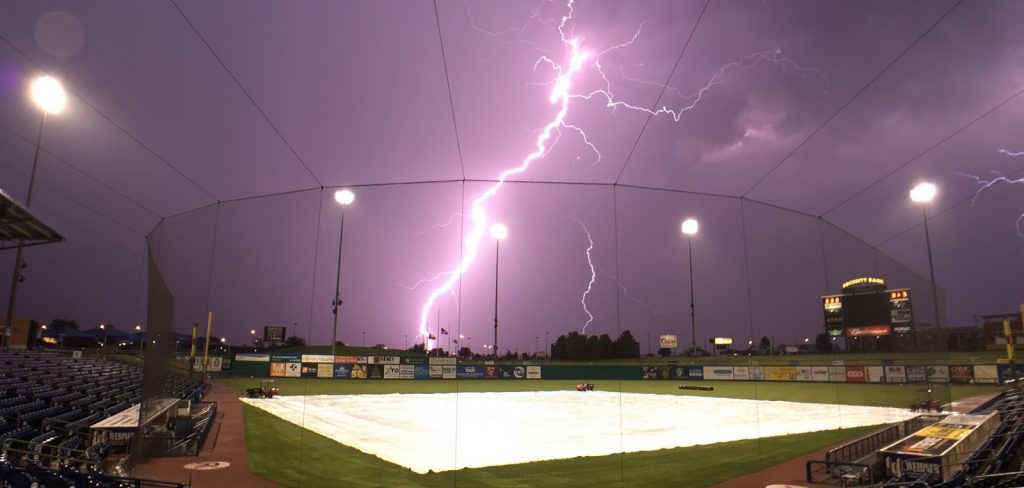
<point>499,231</point>
<point>690,227</point>
<point>48,94</point>
<point>924,192</point>
<point>344,197</point>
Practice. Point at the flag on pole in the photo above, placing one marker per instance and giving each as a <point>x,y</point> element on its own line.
<point>455,341</point>
<point>445,332</point>
<point>431,337</point>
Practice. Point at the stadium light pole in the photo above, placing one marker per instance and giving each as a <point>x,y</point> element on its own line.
<point>499,232</point>
<point>689,228</point>
<point>924,193</point>
<point>138,334</point>
<point>344,198</point>
<point>547,345</point>
<point>48,94</point>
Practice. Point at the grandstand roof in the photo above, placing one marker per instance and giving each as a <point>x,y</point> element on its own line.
<point>185,112</point>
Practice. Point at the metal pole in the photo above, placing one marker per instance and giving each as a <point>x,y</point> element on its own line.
<point>437,352</point>
<point>337,287</point>
<point>547,346</point>
<point>497,245</point>
<point>693,316</point>
<point>16,275</point>
<point>931,269</point>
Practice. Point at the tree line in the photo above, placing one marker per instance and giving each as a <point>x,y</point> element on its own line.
<point>576,346</point>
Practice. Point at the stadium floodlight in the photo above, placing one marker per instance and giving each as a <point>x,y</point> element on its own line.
<point>48,94</point>
<point>924,193</point>
<point>344,198</point>
<point>689,228</point>
<point>499,232</point>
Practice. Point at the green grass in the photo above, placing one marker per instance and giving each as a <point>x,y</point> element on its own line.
<point>291,456</point>
<point>843,393</point>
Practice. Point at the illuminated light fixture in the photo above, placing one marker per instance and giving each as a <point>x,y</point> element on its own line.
<point>690,227</point>
<point>923,193</point>
<point>48,94</point>
<point>344,197</point>
<point>499,231</point>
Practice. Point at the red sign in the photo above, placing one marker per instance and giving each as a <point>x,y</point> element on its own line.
<point>855,374</point>
<point>277,369</point>
<point>870,330</point>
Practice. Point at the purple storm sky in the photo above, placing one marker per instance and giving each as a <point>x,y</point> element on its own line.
<point>217,133</point>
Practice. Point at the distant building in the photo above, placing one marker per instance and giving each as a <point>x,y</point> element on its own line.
<point>993,336</point>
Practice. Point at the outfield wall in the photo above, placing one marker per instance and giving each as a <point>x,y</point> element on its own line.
<point>293,365</point>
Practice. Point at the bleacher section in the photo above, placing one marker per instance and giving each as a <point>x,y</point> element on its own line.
<point>48,402</point>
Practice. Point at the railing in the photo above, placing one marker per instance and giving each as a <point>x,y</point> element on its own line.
<point>837,472</point>
<point>860,448</point>
<point>85,479</point>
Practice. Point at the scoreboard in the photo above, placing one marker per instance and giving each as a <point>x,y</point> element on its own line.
<point>867,308</point>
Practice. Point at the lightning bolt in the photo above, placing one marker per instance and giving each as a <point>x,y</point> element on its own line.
<point>593,275</point>
<point>478,213</point>
<point>631,298</point>
<point>550,134</point>
<point>984,184</point>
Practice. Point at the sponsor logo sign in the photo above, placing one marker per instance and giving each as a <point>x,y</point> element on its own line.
<point>442,361</point>
<point>740,373</point>
<point>819,373</point>
<point>278,369</point>
<point>837,374</point>
<point>434,372</point>
<point>533,372</point>
<point>874,374</point>
<point>252,357</point>
<point>324,370</point>
<point>285,358</point>
<point>780,373</point>
<point>346,359</point>
<point>317,358</point>
<point>804,373</point>
<point>359,372</point>
<point>695,372</point>
<point>869,331</point>
<point>293,370</point>
<point>384,360</point>
<point>895,374</point>
<point>717,372</point>
<point>855,374</point>
<point>668,341</point>
<point>413,360</point>
<point>421,371</point>
<point>406,372</point>
<point>343,371</point>
<point>469,371</point>
<point>938,374</point>
<point>513,372</point>
<point>309,370</point>
<point>961,373</point>
<point>448,372</point>
<point>491,371</point>
<point>757,373</point>
<point>986,373</point>
<point>375,371</point>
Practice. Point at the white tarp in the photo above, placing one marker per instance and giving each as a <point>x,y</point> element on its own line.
<point>537,426</point>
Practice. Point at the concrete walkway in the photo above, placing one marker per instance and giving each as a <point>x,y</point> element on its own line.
<point>225,443</point>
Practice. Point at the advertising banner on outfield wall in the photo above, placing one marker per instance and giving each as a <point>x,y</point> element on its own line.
<point>962,374</point>
<point>895,374</point>
<point>278,370</point>
<point>740,373</point>
<point>986,373</point>
<point>392,372</point>
<point>855,374</point>
<point>717,372</point>
<point>448,372</point>
<point>874,374</point>
<point>293,370</point>
<point>442,361</point>
<point>917,374</point>
<point>317,358</point>
<point>780,373</point>
<point>413,360</point>
<point>252,357</point>
<point>757,373</point>
<point>308,370</point>
<point>464,371</point>
<point>285,358</point>
<point>420,372</point>
<point>375,371</point>
<point>837,374</point>
<point>695,372</point>
<point>324,370</point>
<point>349,359</point>
<point>434,372</point>
<point>513,372</point>
<point>384,360</point>
<point>343,371</point>
<point>649,373</point>
<point>407,372</point>
<point>804,373</point>
<point>533,372</point>
<point>359,372</point>
<point>938,374</point>
<point>819,373</point>
<point>1009,372</point>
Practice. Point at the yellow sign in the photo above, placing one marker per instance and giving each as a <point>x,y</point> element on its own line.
<point>855,281</point>
<point>723,341</point>
<point>944,432</point>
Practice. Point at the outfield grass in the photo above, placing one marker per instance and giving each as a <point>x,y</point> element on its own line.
<point>291,456</point>
<point>844,393</point>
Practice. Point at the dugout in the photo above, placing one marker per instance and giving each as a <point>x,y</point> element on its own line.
<point>939,449</point>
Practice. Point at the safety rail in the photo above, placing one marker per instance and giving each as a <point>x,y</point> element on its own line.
<point>7,471</point>
<point>859,448</point>
<point>839,472</point>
